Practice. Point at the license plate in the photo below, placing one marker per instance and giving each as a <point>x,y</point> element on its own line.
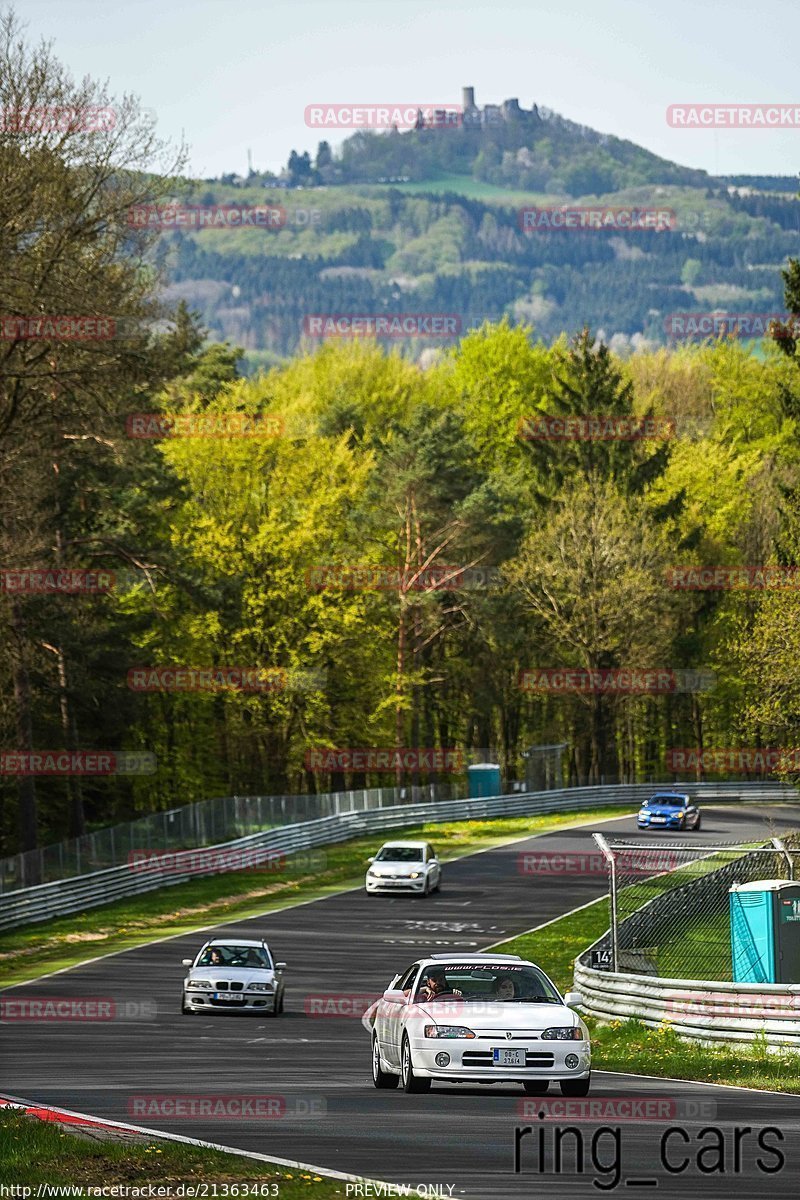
<point>658,820</point>
<point>503,1057</point>
<point>227,996</point>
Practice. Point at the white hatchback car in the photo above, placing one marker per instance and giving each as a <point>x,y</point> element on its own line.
<point>478,1018</point>
<point>404,867</point>
<point>233,975</point>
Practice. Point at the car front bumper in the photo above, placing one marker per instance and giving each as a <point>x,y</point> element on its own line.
<point>471,1060</point>
<point>395,885</point>
<point>205,1001</point>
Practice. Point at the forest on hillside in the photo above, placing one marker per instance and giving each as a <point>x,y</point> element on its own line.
<point>387,549</point>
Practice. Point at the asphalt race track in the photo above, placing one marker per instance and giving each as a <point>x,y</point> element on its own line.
<point>459,1138</point>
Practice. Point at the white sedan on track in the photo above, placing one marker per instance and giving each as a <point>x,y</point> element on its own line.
<point>233,975</point>
<point>478,1018</point>
<point>404,867</point>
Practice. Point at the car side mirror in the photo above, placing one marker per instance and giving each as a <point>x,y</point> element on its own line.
<point>280,966</point>
<point>186,962</point>
<point>395,995</point>
<point>572,998</point>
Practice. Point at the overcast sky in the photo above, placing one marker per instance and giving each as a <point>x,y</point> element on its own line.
<point>228,75</point>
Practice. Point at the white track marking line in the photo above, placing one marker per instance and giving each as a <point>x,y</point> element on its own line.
<point>179,1137</point>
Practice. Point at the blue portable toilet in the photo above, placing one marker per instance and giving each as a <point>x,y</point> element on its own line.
<point>765,931</point>
<point>484,780</point>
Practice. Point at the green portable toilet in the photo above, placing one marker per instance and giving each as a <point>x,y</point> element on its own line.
<point>484,780</point>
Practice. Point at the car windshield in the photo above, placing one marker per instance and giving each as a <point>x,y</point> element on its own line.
<point>399,854</point>
<point>500,983</point>
<point>235,956</point>
<point>666,802</point>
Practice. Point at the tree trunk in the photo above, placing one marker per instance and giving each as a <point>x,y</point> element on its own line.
<point>77,816</point>
<point>26,784</point>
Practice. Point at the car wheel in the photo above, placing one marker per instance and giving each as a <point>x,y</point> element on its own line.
<point>536,1087</point>
<point>280,1002</point>
<point>575,1087</point>
<point>438,887</point>
<point>380,1078</point>
<point>697,823</point>
<point>185,1009</point>
<point>411,1082</point>
<point>426,887</point>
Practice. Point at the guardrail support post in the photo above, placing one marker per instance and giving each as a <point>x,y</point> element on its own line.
<point>605,850</point>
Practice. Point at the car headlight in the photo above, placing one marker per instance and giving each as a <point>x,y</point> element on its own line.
<point>563,1033</point>
<point>448,1031</point>
<point>200,983</point>
<point>642,812</point>
<point>415,875</point>
<point>260,987</point>
<point>374,874</point>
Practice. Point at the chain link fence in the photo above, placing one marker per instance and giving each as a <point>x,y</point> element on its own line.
<point>669,902</point>
<point>204,823</point>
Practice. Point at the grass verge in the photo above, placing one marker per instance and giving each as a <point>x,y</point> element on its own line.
<point>634,1048</point>
<point>34,1151</point>
<point>35,950</point>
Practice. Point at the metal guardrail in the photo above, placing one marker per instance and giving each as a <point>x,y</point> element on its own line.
<point>702,1009</point>
<point>45,901</point>
<point>201,823</point>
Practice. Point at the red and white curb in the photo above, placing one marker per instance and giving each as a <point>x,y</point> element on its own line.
<point>66,1116</point>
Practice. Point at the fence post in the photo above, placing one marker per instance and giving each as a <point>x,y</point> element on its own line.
<point>610,859</point>
<point>778,844</point>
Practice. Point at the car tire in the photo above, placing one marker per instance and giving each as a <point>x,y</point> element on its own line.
<point>411,1082</point>
<point>536,1087</point>
<point>276,1007</point>
<point>426,890</point>
<point>697,824</point>
<point>576,1087</point>
<point>280,1002</point>
<point>380,1078</point>
<point>186,1010</point>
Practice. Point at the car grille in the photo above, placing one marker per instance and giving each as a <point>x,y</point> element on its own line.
<point>223,986</point>
<point>483,1058</point>
<point>522,1036</point>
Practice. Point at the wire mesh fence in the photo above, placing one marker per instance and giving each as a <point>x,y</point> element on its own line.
<point>669,903</point>
<point>204,823</point>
